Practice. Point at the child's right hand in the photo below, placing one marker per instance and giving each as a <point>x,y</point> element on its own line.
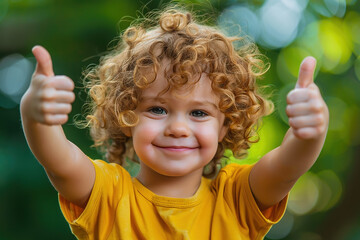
<point>44,106</point>
<point>48,99</point>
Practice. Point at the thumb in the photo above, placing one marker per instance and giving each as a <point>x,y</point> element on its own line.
<point>44,62</point>
<point>306,72</point>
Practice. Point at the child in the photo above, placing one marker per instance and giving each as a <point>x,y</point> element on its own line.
<point>178,94</point>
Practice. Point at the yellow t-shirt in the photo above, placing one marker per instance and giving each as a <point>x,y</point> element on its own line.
<point>120,207</point>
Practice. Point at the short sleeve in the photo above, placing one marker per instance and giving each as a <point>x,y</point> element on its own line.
<point>98,216</point>
<point>233,183</point>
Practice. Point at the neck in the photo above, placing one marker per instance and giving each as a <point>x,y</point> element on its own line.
<point>170,186</point>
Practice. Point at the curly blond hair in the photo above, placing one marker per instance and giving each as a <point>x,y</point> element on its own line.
<point>191,48</point>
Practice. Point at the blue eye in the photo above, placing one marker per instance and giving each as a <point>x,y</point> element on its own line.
<point>157,110</point>
<point>198,113</point>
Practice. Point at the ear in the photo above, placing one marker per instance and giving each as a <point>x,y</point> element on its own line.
<point>223,132</point>
<point>126,131</point>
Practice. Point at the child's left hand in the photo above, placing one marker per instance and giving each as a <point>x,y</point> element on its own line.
<point>306,109</point>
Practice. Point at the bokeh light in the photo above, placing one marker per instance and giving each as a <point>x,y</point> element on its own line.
<point>15,74</point>
<point>335,39</point>
<point>239,20</point>
<point>336,7</point>
<point>329,8</point>
<point>283,228</point>
<point>330,188</point>
<point>304,195</point>
<point>288,63</point>
<point>280,21</point>
<point>315,192</point>
<point>352,20</point>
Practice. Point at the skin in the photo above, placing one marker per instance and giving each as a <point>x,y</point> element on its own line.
<point>182,134</point>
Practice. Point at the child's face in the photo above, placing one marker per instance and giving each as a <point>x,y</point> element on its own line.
<point>178,132</point>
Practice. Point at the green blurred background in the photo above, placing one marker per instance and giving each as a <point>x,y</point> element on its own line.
<point>324,204</point>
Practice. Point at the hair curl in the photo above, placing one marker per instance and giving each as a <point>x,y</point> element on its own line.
<point>115,84</point>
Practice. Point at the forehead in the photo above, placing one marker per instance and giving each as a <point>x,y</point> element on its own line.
<point>200,90</point>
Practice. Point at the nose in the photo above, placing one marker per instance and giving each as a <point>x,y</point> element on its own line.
<point>177,127</point>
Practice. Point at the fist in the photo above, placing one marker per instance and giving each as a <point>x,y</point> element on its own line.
<point>307,112</point>
<point>48,99</point>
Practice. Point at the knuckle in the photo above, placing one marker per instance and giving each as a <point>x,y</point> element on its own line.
<point>68,108</point>
<point>292,123</point>
<point>71,83</point>
<point>47,94</point>
<point>297,133</point>
<point>305,134</point>
<point>288,99</point>
<point>38,79</point>
<point>306,94</point>
<point>319,118</point>
<point>48,82</point>
<point>63,119</point>
<point>301,134</point>
<point>290,96</point>
<point>47,119</point>
<point>318,130</point>
<point>316,107</point>
<point>68,81</point>
<point>288,110</point>
<point>312,93</point>
<point>43,108</point>
<point>72,97</point>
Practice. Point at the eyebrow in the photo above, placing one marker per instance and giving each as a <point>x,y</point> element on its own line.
<point>192,102</point>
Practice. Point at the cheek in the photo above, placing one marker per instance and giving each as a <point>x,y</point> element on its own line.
<point>145,132</point>
<point>208,137</point>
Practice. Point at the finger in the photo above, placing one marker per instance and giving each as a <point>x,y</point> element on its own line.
<point>64,97</point>
<point>304,108</point>
<point>306,72</point>
<point>44,62</point>
<point>306,133</point>
<point>55,119</point>
<point>60,96</point>
<point>61,83</point>
<point>55,108</point>
<point>298,95</point>
<point>313,120</point>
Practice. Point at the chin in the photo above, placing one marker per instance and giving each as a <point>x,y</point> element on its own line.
<point>177,172</point>
<point>172,172</point>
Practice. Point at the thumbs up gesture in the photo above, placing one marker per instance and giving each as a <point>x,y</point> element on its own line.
<point>49,97</point>
<point>306,109</point>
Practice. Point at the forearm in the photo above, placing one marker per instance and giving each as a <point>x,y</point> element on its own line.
<point>296,156</point>
<point>275,174</point>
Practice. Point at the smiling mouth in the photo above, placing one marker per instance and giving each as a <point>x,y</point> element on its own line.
<point>176,148</point>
